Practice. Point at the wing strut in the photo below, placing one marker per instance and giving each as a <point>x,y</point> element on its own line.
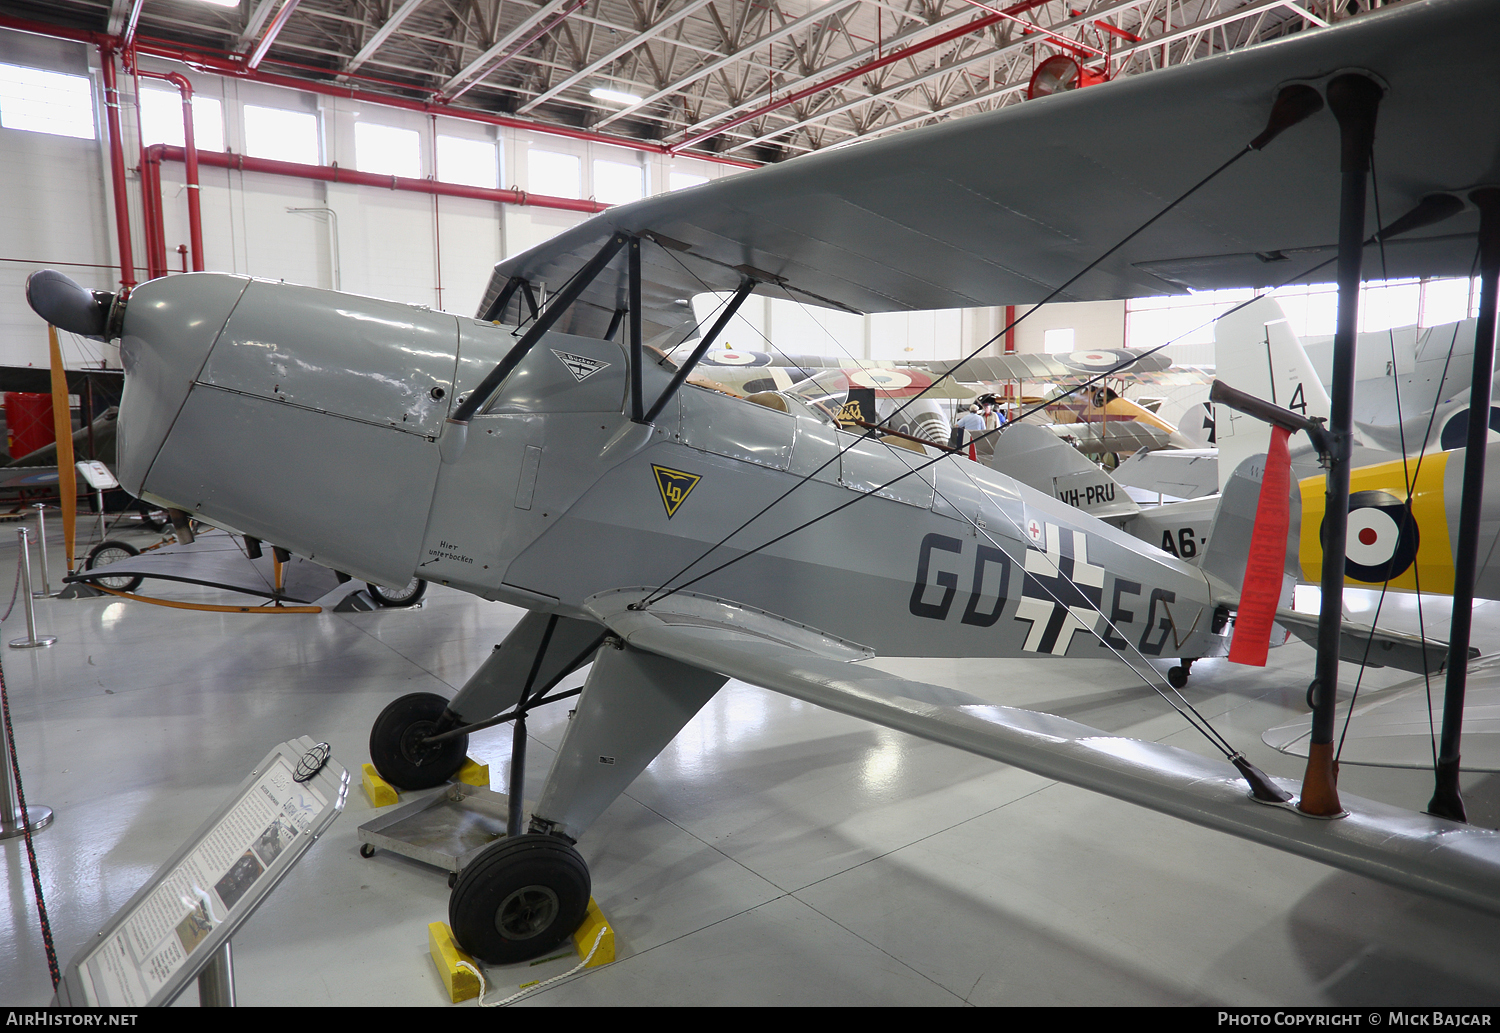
<point>456,433</point>
<point>1354,100</point>
<point>740,294</point>
<point>1446,801</point>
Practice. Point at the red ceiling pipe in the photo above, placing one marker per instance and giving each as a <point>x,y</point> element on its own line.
<point>227,66</point>
<point>117,165</point>
<point>335,174</point>
<point>190,151</point>
<point>900,54</point>
<point>151,207</point>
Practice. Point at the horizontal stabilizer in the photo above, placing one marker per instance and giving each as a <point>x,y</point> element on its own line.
<point>1038,458</point>
<point>1360,644</point>
<point>1396,727</point>
<point>1414,851</point>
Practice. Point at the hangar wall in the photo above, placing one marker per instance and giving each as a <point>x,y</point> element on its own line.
<point>409,247</point>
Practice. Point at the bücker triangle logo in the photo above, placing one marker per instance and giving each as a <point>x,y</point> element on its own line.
<point>581,366</point>
<point>674,486</point>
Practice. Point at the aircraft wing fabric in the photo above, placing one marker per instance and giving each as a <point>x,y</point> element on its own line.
<point>1002,207</point>
<point>1416,851</point>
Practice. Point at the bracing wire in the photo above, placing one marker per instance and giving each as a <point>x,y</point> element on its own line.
<point>654,597</point>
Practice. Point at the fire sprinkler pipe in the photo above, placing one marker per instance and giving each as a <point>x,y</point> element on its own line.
<point>336,174</point>
<point>151,193</point>
<point>900,54</point>
<point>190,152</point>
<point>117,165</point>
<point>220,65</point>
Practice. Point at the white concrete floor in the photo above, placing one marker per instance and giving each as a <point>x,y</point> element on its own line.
<point>774,854</point>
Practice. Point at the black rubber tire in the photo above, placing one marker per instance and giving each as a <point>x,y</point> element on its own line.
<point>519,899</point>
<point>393,597</point>
<point>113,551</point>
<point>1177,677</point>
<point>366,850</point>
<point>394,748</point>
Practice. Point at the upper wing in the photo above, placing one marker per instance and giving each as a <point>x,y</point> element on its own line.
<point>1415,851</point>
<point>1002,207</point>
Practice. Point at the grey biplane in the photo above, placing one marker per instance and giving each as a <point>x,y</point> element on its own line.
<point>676,537</point>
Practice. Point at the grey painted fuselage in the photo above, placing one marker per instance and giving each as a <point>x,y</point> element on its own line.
<point>311,419</point>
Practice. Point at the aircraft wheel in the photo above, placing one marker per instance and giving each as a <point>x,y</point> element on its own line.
<point>519,899</point>
<point>396,747</point>
<point>408,596</point>
<point>1312,695</point>
<point>1177,677</point>
<point>107,552</point>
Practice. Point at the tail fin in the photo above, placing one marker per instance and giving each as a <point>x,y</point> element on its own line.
<point>1228,548</point>
<point>1255,350</point>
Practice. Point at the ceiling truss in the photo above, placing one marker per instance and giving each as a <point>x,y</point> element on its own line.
<point>759,80</point>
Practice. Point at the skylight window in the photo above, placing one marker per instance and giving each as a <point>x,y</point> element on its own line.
<point>282,135</point>
<point>618,183</point>
<point>161,120</point>
<point>548,172</point>
<point>387,151</point>
<point>683,180</point>
<point>39,101</point>
<point>474,163</point>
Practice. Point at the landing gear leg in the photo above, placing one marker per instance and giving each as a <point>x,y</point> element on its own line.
<point>526,894</point>
<point>1177,677</point>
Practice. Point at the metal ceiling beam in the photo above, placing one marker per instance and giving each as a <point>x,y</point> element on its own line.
<point>478,68</point>
<point>844,63</point>
<point>277,24</point>
<point>256,22</point>
<point>1214,22</point>
<point>1014,45</point>
<point>383,33</point>
<point>889,59</point>
<point>618,52</point>
<point>818,14</point>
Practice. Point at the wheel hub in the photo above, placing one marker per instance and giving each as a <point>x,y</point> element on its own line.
<point>527,912</point>
<point>413,749</point>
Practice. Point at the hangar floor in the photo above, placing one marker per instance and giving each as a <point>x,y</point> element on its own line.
<point>774,854</point>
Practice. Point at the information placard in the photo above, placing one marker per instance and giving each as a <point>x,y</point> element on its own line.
<point>171,928</point>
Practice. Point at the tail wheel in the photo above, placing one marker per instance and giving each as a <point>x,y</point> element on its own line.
<point>107,552</point>
<point>408,596</point>
<point>397,749</point>
<point>519,899</point>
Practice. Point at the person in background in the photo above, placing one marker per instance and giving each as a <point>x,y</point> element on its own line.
<point>972,425</point>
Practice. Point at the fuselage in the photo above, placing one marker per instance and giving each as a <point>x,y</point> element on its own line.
<point>311,419</point>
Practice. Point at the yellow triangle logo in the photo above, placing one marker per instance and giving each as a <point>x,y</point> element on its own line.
<point>675,486</point>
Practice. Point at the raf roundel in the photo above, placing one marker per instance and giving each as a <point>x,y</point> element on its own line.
<point>1383,537</point>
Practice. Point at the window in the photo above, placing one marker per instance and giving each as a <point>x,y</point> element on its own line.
<point>282,135</point>
<point>474,163</point>
<point>387,151</point>
<point>46,102</point>
<point>1058,342</point>
<point>618,183</point>
<point>683,180</point>
<point>559,175</point>
<point>161,120</point>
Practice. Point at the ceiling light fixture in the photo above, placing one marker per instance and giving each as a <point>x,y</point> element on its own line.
<point>615,96</point>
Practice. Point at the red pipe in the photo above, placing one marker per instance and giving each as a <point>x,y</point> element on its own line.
<point>156,232</point>
<point>225,66</point>
<point>899,54</point>
<point>117,164</point>
<point>190,150</point>
<point>157,153</point>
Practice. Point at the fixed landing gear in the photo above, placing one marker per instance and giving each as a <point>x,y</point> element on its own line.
<point>519,899</point>
<point>397,750</point>
<point>396,597</point>
<point>1177,677</point>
